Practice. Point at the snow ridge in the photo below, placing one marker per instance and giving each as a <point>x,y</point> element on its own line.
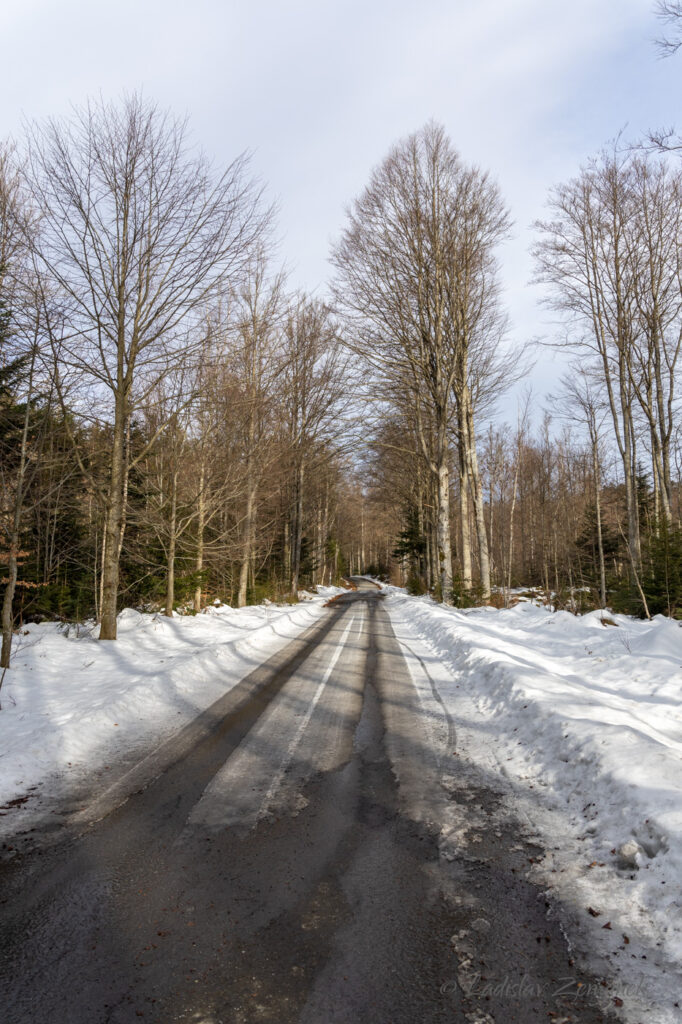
<point>584,721</point>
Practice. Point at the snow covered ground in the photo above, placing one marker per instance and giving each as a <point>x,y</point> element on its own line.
<point>579,722</point>
<point>583,721</point>
<point>76,711</point>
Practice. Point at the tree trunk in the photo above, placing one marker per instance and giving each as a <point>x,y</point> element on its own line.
<point>101,574</point>
<point>477,498</point>
<point>172,538</point>
<point>597,504</point>
<point>631,494</point>
<point>511,524</point>
<point>297,532</point>
<point>444,546</point>
<point>362,536</point>
<point>8,599</point>
<point>465,555</point>
<point>662,488</point>
<point>325,533</point>
<point>247,545</point>
<point>319,550</point>
<point>433,539</point>
<point>201,517</point>
<point>113,525</point>
<point>287,549</point>
<point>424,532</point>
<point>15,537</point>
<point>631,504</point>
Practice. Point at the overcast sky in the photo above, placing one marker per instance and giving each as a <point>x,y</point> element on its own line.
<point>319,90</point>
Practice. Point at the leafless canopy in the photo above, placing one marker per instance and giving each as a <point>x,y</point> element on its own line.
<point>136,230</point>
<point>417,280</point>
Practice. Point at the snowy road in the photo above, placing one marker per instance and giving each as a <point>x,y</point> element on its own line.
<point>279,861</point>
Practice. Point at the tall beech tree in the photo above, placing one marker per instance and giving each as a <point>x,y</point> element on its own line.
<point>417,281</point>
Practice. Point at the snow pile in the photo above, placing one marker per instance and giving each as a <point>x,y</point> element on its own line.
<point>73,707</point>
<point>584,720</point>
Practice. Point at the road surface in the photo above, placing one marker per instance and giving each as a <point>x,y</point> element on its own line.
<point>278,861</point>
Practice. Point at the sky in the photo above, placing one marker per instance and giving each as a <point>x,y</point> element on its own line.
<point>319,91</point>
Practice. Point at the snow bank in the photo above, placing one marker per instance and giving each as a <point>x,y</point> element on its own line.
<point>73,707</point>
<point>585,722</point>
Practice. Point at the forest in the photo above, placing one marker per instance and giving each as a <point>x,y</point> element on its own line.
<point>178,426</point>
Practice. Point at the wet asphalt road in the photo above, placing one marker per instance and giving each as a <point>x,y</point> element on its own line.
<point>278,862</point>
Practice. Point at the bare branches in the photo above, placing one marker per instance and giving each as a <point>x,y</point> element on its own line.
<point>136,232</point>
<point>417,283</point>
<point>610,256</point>
<point>670,13</point>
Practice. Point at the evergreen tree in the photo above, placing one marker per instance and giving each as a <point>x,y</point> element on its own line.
<point>586,547</point>
<point>662,583</point>
<point>411,547</point>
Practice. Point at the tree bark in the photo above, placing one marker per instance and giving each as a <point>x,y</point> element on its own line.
<point>597,503</point>
<point>287,548</point>
<point>477,498</point>
<point>444,544</point>
<point>247,544</point>
<point>201,517</point>
<point>465,526</point>
<point>15,536</point>
<point>511,522</point>
<point>297,532</point>
<point>8,598</point>
<point>113,524</point>
<point>172,540</point>
<point>629,469</point>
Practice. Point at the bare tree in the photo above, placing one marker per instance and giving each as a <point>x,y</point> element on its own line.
<point>655,231</point>
<point>584,253</point>
<point>584,397</point>
<point>136,231</point>
<point>480,326</point>
<point>256,362</point>
<point>317,385</point>
<point>611,257</point>
<point>415,271</point>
